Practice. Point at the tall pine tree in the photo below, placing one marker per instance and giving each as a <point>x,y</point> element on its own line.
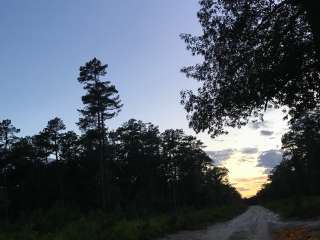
<point>101,102</point>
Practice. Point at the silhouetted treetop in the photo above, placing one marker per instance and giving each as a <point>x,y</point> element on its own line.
<point>134,168</point>
<point>255,54</point>
<point>7,134</point>
<point>101,100</point>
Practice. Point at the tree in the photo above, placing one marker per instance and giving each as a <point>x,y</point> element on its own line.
<point>301,146</point>
<point>184,164</point>
<point>299,172</point>
<point>102,102</point>
<point>7,134</point>
<point>53,130</point>
<point>42,145</point>
<point>137,156</point>
<point>170,141</point>
<point>7,139</point>
<point>256,54</point>
<point>69,143</point>
<point>54,135</point>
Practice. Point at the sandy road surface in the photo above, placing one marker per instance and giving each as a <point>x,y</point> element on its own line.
<point>257,223</point>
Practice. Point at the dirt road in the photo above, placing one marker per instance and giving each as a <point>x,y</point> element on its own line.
<point>257,223</point>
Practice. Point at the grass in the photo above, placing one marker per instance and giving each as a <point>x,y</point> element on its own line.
<point>294,208</point>
<point>61,224</point>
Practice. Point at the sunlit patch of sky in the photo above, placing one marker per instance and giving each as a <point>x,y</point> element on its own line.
<point>251,154</point>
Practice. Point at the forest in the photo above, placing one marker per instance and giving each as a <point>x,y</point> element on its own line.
<point>134,170</point>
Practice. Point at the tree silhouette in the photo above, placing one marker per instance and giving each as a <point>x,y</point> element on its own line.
<point>101,102</point>
<point>299,172</point>
<point>137,157</point>
<point>42,145</point>
<point>148,171</point>
<point>69,144</point>
<point>7,134</point>
<point>301,145</point>
<point>7,139</point>
<point>53,130</point>
<point>255,54</point>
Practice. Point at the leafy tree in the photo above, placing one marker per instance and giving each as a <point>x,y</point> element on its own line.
<point>255,54</point>
<point>101,102</point>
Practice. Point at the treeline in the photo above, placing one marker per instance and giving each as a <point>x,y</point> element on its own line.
<point>135,169</point>
<point>299,172</point>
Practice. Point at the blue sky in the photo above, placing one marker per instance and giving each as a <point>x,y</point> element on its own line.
<point>43,43</point>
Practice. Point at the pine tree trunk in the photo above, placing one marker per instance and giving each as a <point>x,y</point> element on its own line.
<point>101,160</point>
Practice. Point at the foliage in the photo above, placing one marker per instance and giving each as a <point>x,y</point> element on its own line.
<point>255,54</point>
<point>7,134</point>
<point>303,207</point>
<point>62,224</point>
<point>148,171</point>
<point>101,99</point>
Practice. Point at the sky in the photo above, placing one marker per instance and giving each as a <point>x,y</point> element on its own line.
<point>43,43</point>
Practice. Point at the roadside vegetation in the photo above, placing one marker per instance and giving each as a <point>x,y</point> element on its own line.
<point>70,224</point>
<point>296,207</point>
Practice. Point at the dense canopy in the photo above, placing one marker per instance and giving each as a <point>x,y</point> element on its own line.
<point>256,54</point>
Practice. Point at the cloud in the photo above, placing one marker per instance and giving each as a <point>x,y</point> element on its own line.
<point>269,159</point>
<point>266,133</point>
<point>249,150</point>
<point>220,156</point>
